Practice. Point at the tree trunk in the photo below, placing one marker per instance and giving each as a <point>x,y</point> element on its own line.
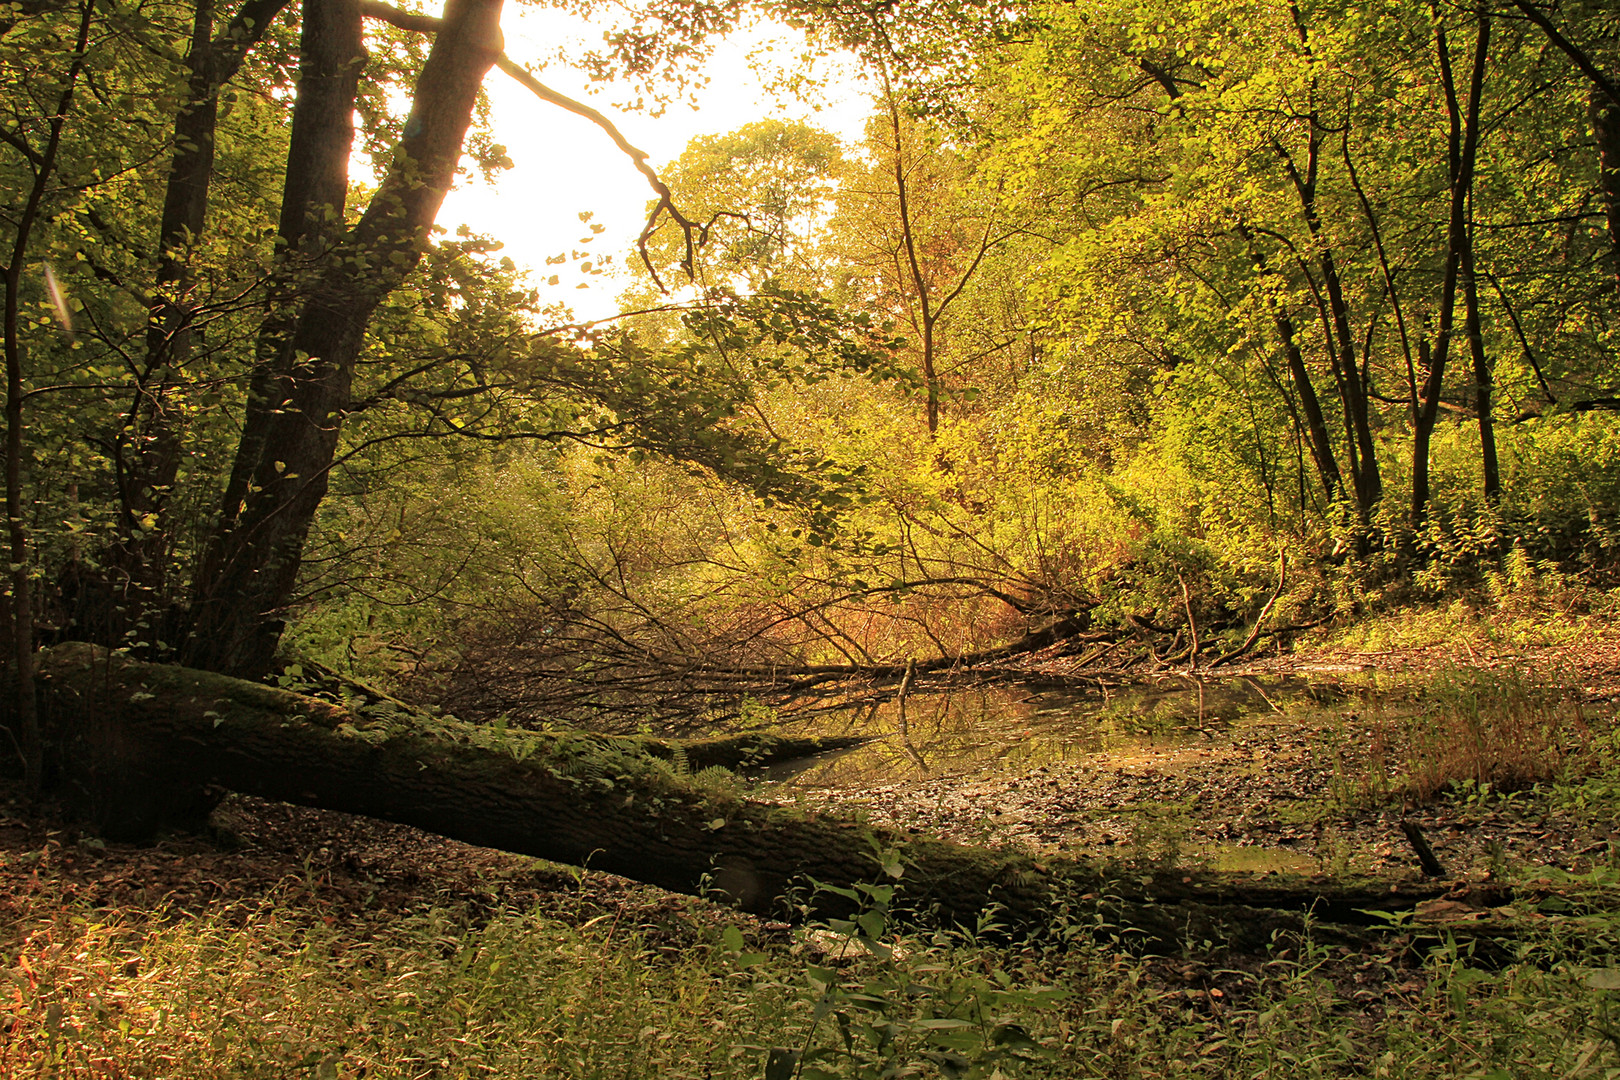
<point>928,317</point>
<point>23,725</point>
<point>1463,143</point>
<point>1327,465</point>
<point>313,199</point>
<point>252,562</point>
<point>1484,376</point>
<point>1368,485</point>
<point>140,745</point>
<point>1606,128</point>
<point>132,580</point>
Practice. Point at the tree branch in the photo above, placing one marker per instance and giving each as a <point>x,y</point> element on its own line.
<point>695,235</point>
<point>1573,51</point>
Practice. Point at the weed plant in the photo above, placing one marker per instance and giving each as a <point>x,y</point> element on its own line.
<point>1496,730</point>
<point>1465,732</point>
<point>275,991</point>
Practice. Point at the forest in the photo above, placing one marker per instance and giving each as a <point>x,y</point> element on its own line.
<point>1112,573</point>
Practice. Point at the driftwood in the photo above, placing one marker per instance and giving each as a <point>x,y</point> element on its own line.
<point>143,747</point>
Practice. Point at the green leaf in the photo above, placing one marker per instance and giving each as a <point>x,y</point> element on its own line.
<point>1014,1036</point>
<point>943,1023</point>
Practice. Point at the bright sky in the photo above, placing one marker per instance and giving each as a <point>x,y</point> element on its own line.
<point>565,165</point>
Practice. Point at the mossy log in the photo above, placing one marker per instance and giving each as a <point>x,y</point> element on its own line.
<point>140,746</point>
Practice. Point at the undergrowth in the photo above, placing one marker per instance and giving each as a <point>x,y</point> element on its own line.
<point>1465,732</point>
<point>1516,604</point>
<point>1500,730</point>
<point>279,988</point>
<point>272,991</point>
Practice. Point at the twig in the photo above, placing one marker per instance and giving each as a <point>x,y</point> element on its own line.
<point>693,233</point>
<point>1425,853</point>
<point>1254,635</point>
<point>1192,624</point>
<point>905,728</point>
<point>905,689</point>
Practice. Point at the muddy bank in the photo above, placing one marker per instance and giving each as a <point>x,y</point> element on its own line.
<point>1264,799</point>
<point>1296,768</point>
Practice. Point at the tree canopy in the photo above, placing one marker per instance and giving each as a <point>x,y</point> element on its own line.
<point>1114,309</point>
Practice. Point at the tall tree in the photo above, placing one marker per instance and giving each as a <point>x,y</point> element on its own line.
<point>38,140</point>
<point>149,446</point>
<point>1462,142</point>
<point>914,229</point>
<point>252,561</point>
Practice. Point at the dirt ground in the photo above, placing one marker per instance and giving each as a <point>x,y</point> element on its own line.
<point>1262,798</point>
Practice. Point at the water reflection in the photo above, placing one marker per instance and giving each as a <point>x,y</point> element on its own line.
<point>1020,727</point>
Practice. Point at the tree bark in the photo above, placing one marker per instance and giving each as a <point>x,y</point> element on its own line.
<point>1368,485</point>
<point>1606,128</point>
<point>252,562</point>
<point>149,448</point>
<point>1484,375</point>
<point>140,746</point>
<point>313,200</point>
<point>24,723</point>
<point>928,316</point>
<point>1327,465</point>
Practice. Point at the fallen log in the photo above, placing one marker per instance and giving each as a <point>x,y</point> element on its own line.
<point>140,747</point>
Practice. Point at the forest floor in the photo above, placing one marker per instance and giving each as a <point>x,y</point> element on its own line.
<point>1291,792</point>
<point>1295,792</point>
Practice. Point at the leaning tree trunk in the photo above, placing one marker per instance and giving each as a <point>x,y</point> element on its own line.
<point>141,746</point>
<point>251,565</point>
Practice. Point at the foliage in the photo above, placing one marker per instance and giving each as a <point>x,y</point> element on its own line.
<point>886,1004</point>
<point>1167,295</point>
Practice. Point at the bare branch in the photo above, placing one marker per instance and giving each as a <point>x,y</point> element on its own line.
<point>694,235</point>
<point>405,20</point>
<point>1570,49</point>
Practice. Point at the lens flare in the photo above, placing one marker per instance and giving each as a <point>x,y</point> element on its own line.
<point>58,298</point>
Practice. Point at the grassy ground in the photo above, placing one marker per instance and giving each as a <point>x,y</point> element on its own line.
<point>298,943</point>
<point>274,988</point>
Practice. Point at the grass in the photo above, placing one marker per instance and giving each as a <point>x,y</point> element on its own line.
<point>1500,731</point>
<point>1462,732</point>
<point>256,993</point>
<point>269,991</point>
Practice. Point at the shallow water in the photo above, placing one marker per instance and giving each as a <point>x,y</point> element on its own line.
<point>1007,727</point>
